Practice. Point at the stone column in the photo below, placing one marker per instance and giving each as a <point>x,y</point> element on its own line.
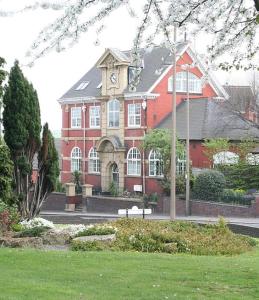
<point>87,191</point>
<point>70,194</point>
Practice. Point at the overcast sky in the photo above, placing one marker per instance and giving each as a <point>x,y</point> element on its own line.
<point>53,74</point>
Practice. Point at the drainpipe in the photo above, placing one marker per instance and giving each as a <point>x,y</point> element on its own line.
<point>144,107</point>
<point>84,134</point>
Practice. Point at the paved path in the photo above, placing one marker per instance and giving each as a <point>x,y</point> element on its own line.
<point>250,222</point>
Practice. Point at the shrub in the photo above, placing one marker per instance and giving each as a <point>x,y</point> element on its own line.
<point>236,196</point>
<point>8,216</point>
<point>172,237</point>
<point>241,176</point>
<point>96,230</point>
<point>37,222</point>
<point>153,197</point>
<point>209,185</point>
<point>87,246</point>
<point>17,227</point>
<point>32,232</point>
<point>180,183</point>
<point>113,189</point>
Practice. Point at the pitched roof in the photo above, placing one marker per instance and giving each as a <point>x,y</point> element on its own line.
<point>155,62</point>
<point>241,97</point>
<point>210,119</point>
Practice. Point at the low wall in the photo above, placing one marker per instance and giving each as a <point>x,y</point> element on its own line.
<point>101,204</point>
<point>210,209</point>
<point>111,205</point>
<point>55,201</point>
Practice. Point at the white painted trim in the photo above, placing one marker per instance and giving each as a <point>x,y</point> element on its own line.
<point>142,95</point>
<point>178,55</point>
<point>159,78</point>
<point>77,100</point>
<point>213,82</point>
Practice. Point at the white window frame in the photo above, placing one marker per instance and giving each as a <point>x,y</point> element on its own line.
<point>156,165</point>
<point>76,117</point>
<point>93,161</point>
<point>225,158</point>
<point>94,117</point>
<point>181,164</point>
<point>113,112</point>
<point>134,162</point>
<point>76,159</point>
<point>195,83</point>
<point>134,115</point>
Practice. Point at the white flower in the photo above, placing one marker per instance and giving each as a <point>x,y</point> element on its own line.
<point>37,222</point>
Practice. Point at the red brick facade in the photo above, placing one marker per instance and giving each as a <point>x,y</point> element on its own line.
<point>157,108</point>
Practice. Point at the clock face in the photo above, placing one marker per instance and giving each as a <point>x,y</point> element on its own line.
<point>113,78</point>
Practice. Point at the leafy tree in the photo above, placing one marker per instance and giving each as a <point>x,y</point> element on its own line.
<point>214,146</point>
<point>231,24</point>
<point>21,119</point>
<point>245,147</point>
<point>48,172</point>
<point>160,141</point>
<point>6,174</point>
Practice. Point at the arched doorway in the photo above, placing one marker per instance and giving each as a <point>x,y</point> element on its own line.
<point>115,175</point>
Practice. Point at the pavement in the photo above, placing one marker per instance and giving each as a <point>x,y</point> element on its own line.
<point>248,222</point>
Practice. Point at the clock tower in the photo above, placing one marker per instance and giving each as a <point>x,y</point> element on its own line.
<point>111,146</point>
<point>114,67</point>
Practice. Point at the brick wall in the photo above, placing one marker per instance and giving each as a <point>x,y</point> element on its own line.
<point>57,201</point>
<point>110,205</point>
<point>210,209</point>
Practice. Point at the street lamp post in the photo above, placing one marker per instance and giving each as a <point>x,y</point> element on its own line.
<point>187,193</point>
<point>173,152</point>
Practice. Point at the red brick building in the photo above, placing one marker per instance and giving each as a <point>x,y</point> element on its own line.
<point>103,122</point>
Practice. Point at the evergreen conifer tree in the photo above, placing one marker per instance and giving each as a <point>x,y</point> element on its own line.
<point>6,174</point>
<point>21,119</point>
<point>48,171</point>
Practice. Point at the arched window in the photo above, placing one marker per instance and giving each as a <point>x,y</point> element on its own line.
<point>93,161</point>
<point>156,166</point>
<point>76,159</point>
<point>181,83</point>
<point>225,158</point>
<point>181,164</point>
<point>134,162</point>
<point>113,113</point>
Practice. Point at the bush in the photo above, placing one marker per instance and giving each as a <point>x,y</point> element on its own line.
<point>96,230</point>
<point>37,222</point>
<point>32,232</point>
<point>87,246</point>
<point>171,237</point>
<point>209,185</point>
<point>8,216</point>
<point>180,183</point>
<point>236,196</point>
<point>240,176</point>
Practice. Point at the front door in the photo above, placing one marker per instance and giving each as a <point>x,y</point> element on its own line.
<point>115,175</point>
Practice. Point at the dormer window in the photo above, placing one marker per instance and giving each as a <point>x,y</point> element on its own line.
<point>181,83</point>
<point>82,85</point>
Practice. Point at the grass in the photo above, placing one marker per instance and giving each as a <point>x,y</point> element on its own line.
<point>33,274</point>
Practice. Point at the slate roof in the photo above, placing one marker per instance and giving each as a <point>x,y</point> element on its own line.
<point>241,97</point>
<point>156,60</point>
<point>210,119</point>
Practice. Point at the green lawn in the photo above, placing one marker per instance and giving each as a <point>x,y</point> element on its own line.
<point>34,274</point>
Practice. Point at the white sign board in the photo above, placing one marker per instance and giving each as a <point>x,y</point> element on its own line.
<point>135,211</point>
